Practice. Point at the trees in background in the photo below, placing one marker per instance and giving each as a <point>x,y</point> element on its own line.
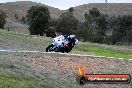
<point>38,19</point>
<point>94,12</point>
<point>120,28</point>
<point>98,27</point>
<point>124,30</point>
<point>2,19</point>
<point>23,20</point>
<point>109,29</point>
<point>16,16</point>
<point>52,28</point>
<point>67,23</point>
<point>94,26</point>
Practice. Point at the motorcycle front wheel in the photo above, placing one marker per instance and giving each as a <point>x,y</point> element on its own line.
<point>49,48</point>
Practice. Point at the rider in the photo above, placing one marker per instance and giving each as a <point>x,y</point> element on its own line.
<point>58,40</point>
<point>64,42</point>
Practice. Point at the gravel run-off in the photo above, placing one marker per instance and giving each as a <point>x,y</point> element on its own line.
<point>61,68</point>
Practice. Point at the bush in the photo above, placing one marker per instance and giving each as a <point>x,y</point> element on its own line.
<point>2,19</point>
<point>50,32</point>
<point>94,12</point>
<point>38,19</point>
<point>67,23</point>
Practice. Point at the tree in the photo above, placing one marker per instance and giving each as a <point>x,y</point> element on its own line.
<point>94,26</point>
<point>87,31</point>
<point>111,29</point>
<point>71,9</point>
<point>50,32</point>
<point>67,23</point>
<point>125,28</point>
<point>94,12</point>
<point>23,20</point>
<point>102,24</point>
<point>121,29</point>
<point>2,19</point>
<point>38,19</point>
<point>52,26</point>
<point>16,16</point>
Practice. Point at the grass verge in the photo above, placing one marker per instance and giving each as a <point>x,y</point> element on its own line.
<point>8,81</point>
<point>22,38</point>
<point>102,51</point>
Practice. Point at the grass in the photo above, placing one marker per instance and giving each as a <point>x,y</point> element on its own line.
<point>22,38</point>
<point>9,81</point>
<point>102,51</point>
<point>10,73</point>
<point>17,74</point>
<point>2,65</point>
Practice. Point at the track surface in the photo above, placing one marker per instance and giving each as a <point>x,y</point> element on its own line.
<point>81,55</point>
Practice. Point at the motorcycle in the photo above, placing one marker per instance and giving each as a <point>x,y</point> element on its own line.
<point>59,46</point>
